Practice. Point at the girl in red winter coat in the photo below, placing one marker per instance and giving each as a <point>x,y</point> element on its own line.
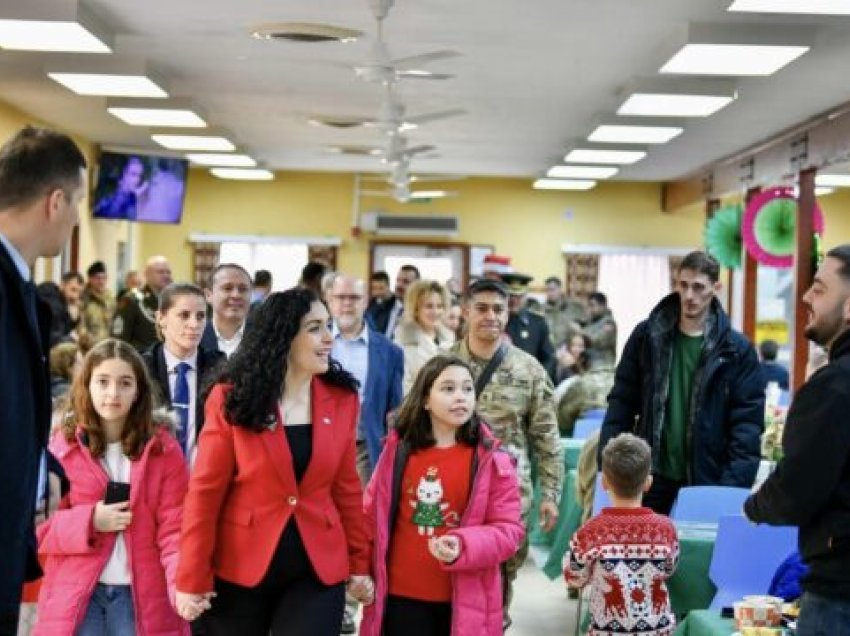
<point>444,507</point>
<point>111,548</point>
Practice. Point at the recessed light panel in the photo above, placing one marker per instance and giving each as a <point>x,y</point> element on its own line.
<point>833,180</point>
<point>222,159</point>
<point>614,133</point>
<point>109,85</point>
<point>245,174</point>
<point>564,184</point>
<point>615,157</point>
<point>158,117</point>
<point>42,35</point>
<point>668,105</point>
<point>191,142</point>
<point>810,7</point>
<point>581,172</point>
<point>731,59</point>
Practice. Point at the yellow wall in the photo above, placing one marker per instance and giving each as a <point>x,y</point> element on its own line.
<point>531,226</point>
<point>836,212</point>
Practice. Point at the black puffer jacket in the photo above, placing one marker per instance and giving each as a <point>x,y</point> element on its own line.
<point>811,485</point>
<point>727,399</point>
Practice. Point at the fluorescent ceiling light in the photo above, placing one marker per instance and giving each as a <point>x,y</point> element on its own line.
<point>158,117</point>
<point>109,85</point>
<point>833,180</point>
<point>431,194</point>
<point>190,142</point>
<point>731,59</point>
<point>661,105</point>
<point>820,7</point>
<point>615,133</point>
<point>246,174</point>
<point>43,35</point>
<point>564,184</point>
<point>822,192</point>
<point>617,157</point>
<point>217,159</point>
<point>581,172</point>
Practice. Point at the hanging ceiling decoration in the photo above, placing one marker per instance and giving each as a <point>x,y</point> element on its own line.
<point>723,238</point>
<point>769,226</point>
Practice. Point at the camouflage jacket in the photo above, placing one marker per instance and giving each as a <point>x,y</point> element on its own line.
<point>603,336</point>
<point>586,392</point>
<point>97,312</point>
<point>517,405</point>
<point>135,318</point>
<point>565,318</point>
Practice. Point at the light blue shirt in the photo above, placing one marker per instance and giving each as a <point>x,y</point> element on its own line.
<point>353,355</point>
<point>17,259</point>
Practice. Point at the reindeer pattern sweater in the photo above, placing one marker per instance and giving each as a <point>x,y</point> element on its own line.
<point>625,555</point>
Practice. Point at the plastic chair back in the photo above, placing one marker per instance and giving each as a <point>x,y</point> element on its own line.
<point>593,414</point>
<point>706,504</point>
<point>600,497</point>
<point>746,557</point>
<point>585,427</point>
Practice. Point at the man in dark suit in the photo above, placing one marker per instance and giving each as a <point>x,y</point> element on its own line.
<point>229,295</point>
<point>527,330</point>
<point>378,365</point>
<point>42,182</point>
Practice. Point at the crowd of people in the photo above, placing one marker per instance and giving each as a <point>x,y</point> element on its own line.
<point>226,460</point>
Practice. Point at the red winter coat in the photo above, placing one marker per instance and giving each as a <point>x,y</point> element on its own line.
<point>490,531</point>
<point>76,553</point>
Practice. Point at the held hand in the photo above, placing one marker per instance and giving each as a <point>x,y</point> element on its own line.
<point>548,515</point>
<point>112,517</point>
<point>445,548</point>
<point>362,588</point>
<point>191,606</point>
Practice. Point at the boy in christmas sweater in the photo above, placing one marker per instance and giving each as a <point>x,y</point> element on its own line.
<point>626,552</point>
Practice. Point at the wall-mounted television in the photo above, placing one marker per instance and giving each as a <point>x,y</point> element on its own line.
<point>136,187</point>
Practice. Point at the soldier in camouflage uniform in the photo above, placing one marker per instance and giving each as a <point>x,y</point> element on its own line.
<point>135,317</point>
<point>564,315</point>
<point>601,329</point>
<point>98,304</point>
<point>586,392</point>
<point>517,405</point>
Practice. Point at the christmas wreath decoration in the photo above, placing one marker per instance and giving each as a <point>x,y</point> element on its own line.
<point>769,223</point>
<point>723,238</point>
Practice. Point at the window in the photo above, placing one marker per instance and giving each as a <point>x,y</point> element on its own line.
<point>284,260</point>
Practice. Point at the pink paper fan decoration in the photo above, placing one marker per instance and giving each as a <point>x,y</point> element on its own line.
<point>760,252</point>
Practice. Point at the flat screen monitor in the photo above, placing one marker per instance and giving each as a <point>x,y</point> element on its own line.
<point>139,187</point>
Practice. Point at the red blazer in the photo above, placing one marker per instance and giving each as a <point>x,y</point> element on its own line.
<point>242,492</point>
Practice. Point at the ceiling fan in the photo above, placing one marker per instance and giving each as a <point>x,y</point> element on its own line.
<point>400,181</point>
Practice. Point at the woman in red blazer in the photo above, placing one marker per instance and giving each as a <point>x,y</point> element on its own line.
<point>273,523</point>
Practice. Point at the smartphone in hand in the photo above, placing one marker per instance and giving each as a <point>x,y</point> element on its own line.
<point>116,492</point>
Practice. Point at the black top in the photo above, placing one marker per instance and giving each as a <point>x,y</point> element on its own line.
<point>300,438</point>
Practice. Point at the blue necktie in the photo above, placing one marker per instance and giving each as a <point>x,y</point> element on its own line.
<point>180,401</point>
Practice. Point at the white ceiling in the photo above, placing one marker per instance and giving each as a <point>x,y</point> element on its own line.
<point>533,75</point>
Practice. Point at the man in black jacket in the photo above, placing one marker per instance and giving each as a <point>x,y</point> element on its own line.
<point>811,485</point>
<point>691,386</point>
<point>42,182</point>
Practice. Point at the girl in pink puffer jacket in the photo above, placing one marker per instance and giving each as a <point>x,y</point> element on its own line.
<point>444,511</point>
<point>109,561</point>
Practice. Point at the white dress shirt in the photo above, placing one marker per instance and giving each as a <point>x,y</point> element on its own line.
<point>228,346</point>
<point>117,569</point>
<point>171,362</point>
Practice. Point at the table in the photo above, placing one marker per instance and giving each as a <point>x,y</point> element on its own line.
<point>705,623</point>
<point>689,587</point>
<point>571,449</point>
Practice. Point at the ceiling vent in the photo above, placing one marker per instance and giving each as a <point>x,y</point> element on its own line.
<point>304,32</point>
<point>384,224</point>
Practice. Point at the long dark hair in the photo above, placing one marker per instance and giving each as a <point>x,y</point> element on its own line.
<point>414,421</point>
<point>257,370</point>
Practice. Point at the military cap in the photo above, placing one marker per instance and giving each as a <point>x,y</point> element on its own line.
<point>517,283</point>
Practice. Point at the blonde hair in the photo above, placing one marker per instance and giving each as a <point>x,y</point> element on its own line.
<point>418,291</point>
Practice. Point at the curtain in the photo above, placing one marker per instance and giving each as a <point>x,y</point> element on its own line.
<point>582,275</point>
<point>204,259</point>
<point>633,283</point>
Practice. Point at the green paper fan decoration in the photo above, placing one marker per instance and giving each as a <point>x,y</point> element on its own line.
<point>723,238</point>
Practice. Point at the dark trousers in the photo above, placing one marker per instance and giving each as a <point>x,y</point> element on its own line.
<point>662,494</point>
<point>412,617</point>
<point>289,601</point>
<point>9,623</point>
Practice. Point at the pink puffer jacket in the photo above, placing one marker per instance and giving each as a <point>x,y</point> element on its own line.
<point>76,553</point>
<point>490,531</point>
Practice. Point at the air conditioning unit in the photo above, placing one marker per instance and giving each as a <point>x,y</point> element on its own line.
<point>384,224</point>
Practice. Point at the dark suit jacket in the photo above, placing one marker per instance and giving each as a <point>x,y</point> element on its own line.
<point>209,341</point>
<point>528,331</point>
<point>24,424</point>
<point>207,361</point>
<point>382,393</point>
